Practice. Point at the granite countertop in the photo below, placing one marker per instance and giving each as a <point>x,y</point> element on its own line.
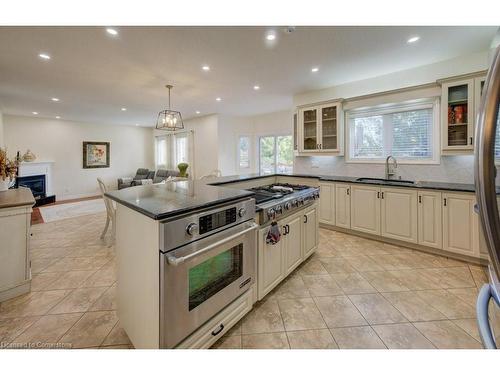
<point>161,201</point>
<point>16,198</point>
<point>431,185</point>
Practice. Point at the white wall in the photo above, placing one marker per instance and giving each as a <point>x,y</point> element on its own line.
<point>1,130</point>
<point>61,142</point>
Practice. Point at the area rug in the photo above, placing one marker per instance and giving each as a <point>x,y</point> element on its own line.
<point>69,210</point>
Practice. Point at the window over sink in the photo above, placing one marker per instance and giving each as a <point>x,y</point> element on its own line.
<point>408,131</point>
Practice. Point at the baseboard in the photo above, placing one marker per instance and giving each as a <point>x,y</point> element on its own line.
<point>425,249</point>
<point>15,291</point>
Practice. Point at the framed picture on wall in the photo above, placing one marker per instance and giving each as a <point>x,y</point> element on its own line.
<point>95,154</point>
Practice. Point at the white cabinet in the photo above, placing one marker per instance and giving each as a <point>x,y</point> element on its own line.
<point>271,265</point>
<point>458,223</point>
<point>365,209</point>
<point>327,203</point>
<point>295,133</point>
<point>430,225</point>
<point>310,231</point>
<point>320,128</point>
<point>292,242</point>
<point>399,214</point>
<point>343,205</point>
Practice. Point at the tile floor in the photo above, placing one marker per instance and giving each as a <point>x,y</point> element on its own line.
<point>352,293</point>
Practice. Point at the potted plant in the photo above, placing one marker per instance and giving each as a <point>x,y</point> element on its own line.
<point>8,169</point>
<point>182,169</point>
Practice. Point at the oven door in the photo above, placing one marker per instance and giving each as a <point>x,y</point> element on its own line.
<point>198,280</point>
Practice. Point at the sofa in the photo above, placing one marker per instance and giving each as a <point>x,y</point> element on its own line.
<point>163,174</point>
<point>140,175</point>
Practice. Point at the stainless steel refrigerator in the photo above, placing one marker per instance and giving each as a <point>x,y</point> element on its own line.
<point>487,180</point>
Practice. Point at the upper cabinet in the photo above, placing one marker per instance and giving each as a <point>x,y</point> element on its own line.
<point>459,106</point>
<point>295,133</point>
<point>319,129</point>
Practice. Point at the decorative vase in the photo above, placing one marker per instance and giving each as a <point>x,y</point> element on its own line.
<point>4,184</point>
<point>29,156</point>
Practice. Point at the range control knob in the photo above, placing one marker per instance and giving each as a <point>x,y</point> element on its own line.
<point>301,201</point>
<point>192,229</point>
<point>288,205</point>
<point>271,213</point>
<point>295,203</point>
<point>242,211</point>
<point>279,209</point>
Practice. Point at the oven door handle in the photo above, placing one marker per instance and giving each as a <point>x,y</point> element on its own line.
<point>175,261</point>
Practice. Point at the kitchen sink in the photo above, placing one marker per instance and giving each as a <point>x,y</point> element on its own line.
<point>385,181</point>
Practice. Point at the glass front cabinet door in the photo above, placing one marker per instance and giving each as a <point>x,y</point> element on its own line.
<point>309,120</point>
<point>319,128</point>
<point>329,128</point>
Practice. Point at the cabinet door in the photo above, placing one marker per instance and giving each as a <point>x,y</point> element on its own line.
<point>292,244</point>
<point>309,122</point>
<point>327,204</point>
<point>329,127</point>
<point>430,225</point>
<point>271,263</point>
<point>310,231</point>
<point>295,133</point>
<point>457,115</point>
<point>365,208</point>
<point>478,93</point>
<point>399,214</point>
<point>458,223</point>
<point>342,205</point>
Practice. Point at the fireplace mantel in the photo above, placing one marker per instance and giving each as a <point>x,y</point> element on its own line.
<point>34,168</point>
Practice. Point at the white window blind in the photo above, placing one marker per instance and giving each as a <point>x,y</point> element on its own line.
<point>172,149</point>
<point>404,131</point>
<point>244,152</point>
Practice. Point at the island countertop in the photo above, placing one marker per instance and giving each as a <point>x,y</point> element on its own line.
<point>16,198</point>
<point>161,201</point>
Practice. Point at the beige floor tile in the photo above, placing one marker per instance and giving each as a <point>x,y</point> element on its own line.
<point>265,341</point>
<point>264,318</point>
<point>479,274</point>
<point>357,338</point>
<point>414,280</point>
<point>336,265</point>
<point>41,264</point>
<point>448,304</point>
<point>54,252</point>
<point>363,263</point>
<point>376,309</point>
<point>91,329</point>
<point>48,329</point>
<point>107,301</point>
<point>321,285</point>
<point>77,264</point>
<point>384,281</point>
<point>70,280</point>
<point>402,336</point>
<point>228,342</point>
<point>338,311</point>
<point>41,281</point>
<point>32,304</point>
<point>391,262</point>
<point>312,267</point>
<point>117,347</point>
<point>353,283</point>
<point>117,336</point>
<point>456,277</point>
<point>312,339</point>
<point>300,314</point>
<point>106,276</point>
<point>468,295</point>
<point>291,287</point>
<point>13,327</point>
<point>469,326</point>
<point>446,335</point>
<point>79,300</point>
<point>412,307</point>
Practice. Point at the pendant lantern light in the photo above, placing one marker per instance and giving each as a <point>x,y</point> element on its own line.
<point>169,119</point>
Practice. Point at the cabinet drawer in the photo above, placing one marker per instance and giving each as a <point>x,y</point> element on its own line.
<point>204,337</point>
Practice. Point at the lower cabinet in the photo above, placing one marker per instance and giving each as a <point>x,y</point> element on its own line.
<point>399,214</point>
<point>458,223</point>
<point>343,205</point>
<point>327,204</point>
<point>365,209</point>
<point>430,223</point>
<point>299,239</point>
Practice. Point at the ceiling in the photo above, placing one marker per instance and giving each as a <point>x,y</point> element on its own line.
<point>95,74</point>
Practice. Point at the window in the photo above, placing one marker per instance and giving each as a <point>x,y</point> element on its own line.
<point>275,154</point>
<point>408,132</point>
<point>173,149</point>
<point>244,152</point>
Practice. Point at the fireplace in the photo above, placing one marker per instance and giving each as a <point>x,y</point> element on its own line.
<point>36,183</point>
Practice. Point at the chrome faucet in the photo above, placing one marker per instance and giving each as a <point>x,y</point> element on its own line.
<point>390,170</point>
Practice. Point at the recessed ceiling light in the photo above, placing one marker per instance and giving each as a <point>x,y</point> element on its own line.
<point>136,124</point>
<point>35,113</point>
<point>111,31</point>
<point>218,99</point>
<point>55,99</point>
<point>271,36</point>
<point>124,109</point>
<point>58,117</point>
<point>206,68</point>
<point>413,39</point>
<point>198,112</point>
<point>256,87</point>
<point>315,69</point>
<point>44,56</point>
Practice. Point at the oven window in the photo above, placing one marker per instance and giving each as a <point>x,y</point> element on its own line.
<point>214,274</point>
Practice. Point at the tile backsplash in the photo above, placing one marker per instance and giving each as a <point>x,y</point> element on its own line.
<point>458,169</point>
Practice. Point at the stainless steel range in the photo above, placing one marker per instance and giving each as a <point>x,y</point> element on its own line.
<point>207,260</point>
<point>279,200</point>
